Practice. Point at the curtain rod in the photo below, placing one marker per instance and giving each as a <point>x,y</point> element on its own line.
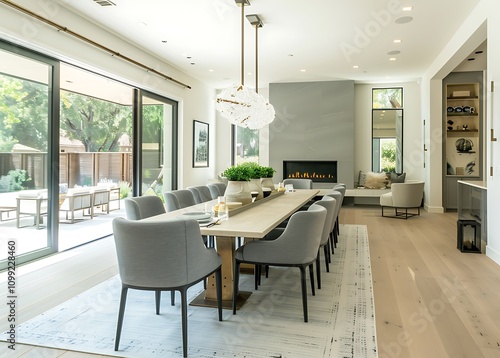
<point>93,43</point>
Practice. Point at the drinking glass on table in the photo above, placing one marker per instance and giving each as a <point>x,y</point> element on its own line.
<point>222,208</point>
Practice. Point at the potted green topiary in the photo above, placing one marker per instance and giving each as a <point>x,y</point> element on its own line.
<point>266,175</point>
<point>254,170</point>
<point>238,190</point>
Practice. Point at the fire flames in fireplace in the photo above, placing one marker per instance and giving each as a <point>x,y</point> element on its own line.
<point>313,175</point>
<point>316,170</point>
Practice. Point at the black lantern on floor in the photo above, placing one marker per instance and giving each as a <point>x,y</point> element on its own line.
<point>469,236</point>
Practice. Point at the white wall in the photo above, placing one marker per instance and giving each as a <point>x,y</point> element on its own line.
<point>493,123</point>
<point>195,103</point>
<point>412,128</point>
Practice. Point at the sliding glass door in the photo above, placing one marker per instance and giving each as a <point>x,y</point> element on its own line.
<point>28,93</point>
<point>73,144</point>
<point>158,143</point>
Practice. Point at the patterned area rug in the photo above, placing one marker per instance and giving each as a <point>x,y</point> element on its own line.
<point>270,324</point>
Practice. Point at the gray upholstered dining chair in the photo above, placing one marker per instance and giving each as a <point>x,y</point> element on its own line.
<point>178,199</point>
<point>142,207</point>
<point>222,187</point>
<point>299,183</point>
<point>334,234</point>
<point>330,204</point>
<point>297,246</point>
<point>200,193</point>
<point>163,256</point>
<point>214,190</point>
<point>340,187</point>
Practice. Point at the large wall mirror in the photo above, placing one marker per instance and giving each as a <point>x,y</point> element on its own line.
<point>387,130</point>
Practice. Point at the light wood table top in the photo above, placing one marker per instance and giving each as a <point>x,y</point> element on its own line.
<point>254,222</point>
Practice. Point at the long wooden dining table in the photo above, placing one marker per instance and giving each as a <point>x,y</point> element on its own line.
<point>254,221</point>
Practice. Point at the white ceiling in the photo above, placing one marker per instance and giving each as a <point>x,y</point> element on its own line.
<point>326,38</point>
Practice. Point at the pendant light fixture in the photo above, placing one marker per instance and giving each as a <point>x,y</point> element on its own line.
<point>239,104</point>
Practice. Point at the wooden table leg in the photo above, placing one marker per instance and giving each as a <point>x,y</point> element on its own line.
<point>225,248</point>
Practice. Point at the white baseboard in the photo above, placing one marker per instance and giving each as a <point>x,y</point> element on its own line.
<point>434,209</point>
<point>493,254</point>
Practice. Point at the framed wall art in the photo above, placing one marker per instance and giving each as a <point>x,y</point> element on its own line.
<point>200,144</point>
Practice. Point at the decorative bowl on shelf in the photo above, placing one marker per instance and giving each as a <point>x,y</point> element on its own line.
<point>450,109</point>
<point>458,109</point>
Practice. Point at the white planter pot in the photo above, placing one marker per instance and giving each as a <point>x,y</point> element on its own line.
<point>255,186</point>
<point>238,191</point>
<point>267,183</point>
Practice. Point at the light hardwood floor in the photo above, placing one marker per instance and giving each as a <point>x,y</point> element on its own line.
<point>431,300</point>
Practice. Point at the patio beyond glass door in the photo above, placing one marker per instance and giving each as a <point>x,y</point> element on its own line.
<point>25,119</point>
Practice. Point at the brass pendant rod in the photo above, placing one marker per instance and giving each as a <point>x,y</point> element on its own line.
<point>257,59</point>
<point>92,42</point>
<point>242,44</point>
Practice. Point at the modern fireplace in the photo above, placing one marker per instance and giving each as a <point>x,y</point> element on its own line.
<point>319,171</point>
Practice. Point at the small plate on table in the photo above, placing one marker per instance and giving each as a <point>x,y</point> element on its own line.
<point>199,216</point>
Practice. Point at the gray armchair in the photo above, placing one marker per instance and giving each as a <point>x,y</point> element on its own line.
<point>163,256</point>
<point>297,246</point>
<point>142,207</point>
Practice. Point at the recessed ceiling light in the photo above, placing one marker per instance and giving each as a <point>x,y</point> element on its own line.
<point>355,66</point>
<point>290,55</point>
<point>403,20</point>
<point>192,63</point>
<point>210,70</point>
<point>392,59</point>
<point>302,70</point>
<point>394,53</point>
<point>478,52</point>
<point>164,41</point>
<point>471,59</point>
<point>397,41</point>
<point>407,8</point>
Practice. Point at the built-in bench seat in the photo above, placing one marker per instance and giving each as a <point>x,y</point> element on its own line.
<point>359,196</point>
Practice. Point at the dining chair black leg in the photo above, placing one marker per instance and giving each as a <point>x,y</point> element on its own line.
<point>172,298</point>
<point>236,279</point>
<point>183,291</point>
<point>318,271</point>
<point>304,291</point>
<point>256,272</point>
<point>331,240</point>
<point>326,248</point>
<point>157,300</point>
<point>218,283</point>
<point>311,277</point>
<point>121,312</point>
